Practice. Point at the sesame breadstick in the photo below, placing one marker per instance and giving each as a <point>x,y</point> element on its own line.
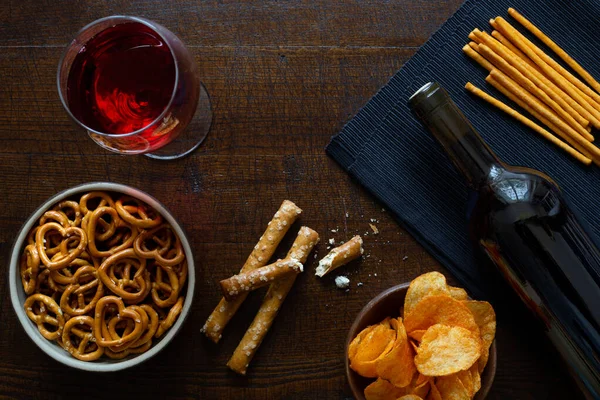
<point>248,281</point>
<point>341,255</point>
<point>243,354</point>
<point>276,229</point>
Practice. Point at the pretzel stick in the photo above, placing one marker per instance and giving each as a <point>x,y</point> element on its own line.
<point>340,255</point>
<point>526,78</point>
<point>570,105</point>
<point>526,121</point>
<point>557,70</point>
<point>537,115</point>
<point>535,70</point>
<point>508,44</point>
<point>570,80</point>
<point>248,281</point>
<point>469,51</point>
<point>555,48</point>
<point>543,110</point>
<point>276,229</point>
<point>243,354</point>
<point>550,67</point>
<point>534,88</point>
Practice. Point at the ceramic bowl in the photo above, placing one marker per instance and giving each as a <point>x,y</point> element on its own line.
<point>388,304</point>
<point>18,295</point>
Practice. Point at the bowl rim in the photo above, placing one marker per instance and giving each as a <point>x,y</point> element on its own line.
<point>14,279</point>
<point>489,371</point>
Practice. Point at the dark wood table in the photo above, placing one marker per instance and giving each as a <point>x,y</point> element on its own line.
<point>284,76</point>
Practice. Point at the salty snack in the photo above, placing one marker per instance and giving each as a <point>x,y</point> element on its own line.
<point>248,281</point>
<point>438,351</point>
<point>340,255</point>
<point>529,77</point>
<point>276,229</point>
<point>243,354</point>
<point>104,275</point>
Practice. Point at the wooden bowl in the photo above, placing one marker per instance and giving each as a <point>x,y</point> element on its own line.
<point>388,304</point>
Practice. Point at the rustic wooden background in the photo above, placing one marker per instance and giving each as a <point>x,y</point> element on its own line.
<point>284,76</point>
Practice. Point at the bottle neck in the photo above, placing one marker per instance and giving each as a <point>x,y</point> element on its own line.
<point>463,145</point>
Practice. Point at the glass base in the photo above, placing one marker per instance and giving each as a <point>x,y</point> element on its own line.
<point>192,136</point>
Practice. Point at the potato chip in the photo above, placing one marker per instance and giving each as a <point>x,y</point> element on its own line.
<point>422,389</point>
<point>429,284</point>
<point>383,390</point>
<point>353,347</point>
<point>466,379</point>
<point>422,379</point>
<point>398,366</point>
<point>446,350</point>
<point>475,377</point>
<point>410,397</point>
<point>458,293</point>
<point>451,388</point>
<point>434,393</point>
<point>440,309</point>
<point>417,334</point>
<point>485,318</point>
<point>370,348</point>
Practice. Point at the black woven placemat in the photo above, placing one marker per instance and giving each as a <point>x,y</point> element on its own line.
<point>389,152</point>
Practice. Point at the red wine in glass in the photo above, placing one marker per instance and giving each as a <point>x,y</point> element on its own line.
<point>133,85</point>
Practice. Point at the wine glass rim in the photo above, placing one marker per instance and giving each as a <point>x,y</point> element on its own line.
<point>150,24</point>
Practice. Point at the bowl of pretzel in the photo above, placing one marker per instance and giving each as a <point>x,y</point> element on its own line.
<point>101,277</point>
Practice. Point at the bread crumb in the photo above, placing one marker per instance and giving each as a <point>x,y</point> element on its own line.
<point>342,282</point>
<point>374,228</point>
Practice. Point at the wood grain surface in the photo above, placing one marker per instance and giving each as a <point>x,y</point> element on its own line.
<point>283,76</point>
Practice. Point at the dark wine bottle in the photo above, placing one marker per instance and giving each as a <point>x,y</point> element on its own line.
<point>520,219</point>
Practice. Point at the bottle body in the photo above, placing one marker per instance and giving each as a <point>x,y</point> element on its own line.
<point>523,224</point>
<point>520,219</point>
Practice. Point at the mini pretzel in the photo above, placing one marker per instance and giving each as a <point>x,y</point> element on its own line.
<point>43,319</point>
<point>181,270</point>
<point>65,276</point>
<point>248,281</point>
<point>100,322</point>
<point>75,211</point>
<point>105,200</point>
<point>87,349</point>
<point>164,245</point>
<point>80,290</point>
<point>65,259</point>
<point>170,319</point>
<point>151,328</point>
<point>56,216</point>
<point>128,260</point>
<point>340,255</point>
<point>128,325</point>
<point>170,289</point>
<point>30,264</point>
<point>46,286</point>
<point>144,218</point>
<point>92,222</point>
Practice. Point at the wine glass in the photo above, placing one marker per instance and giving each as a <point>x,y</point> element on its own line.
<point>134,86</point>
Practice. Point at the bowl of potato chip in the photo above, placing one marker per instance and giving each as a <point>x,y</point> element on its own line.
<point>101,277</point>
<point>422,340</point>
